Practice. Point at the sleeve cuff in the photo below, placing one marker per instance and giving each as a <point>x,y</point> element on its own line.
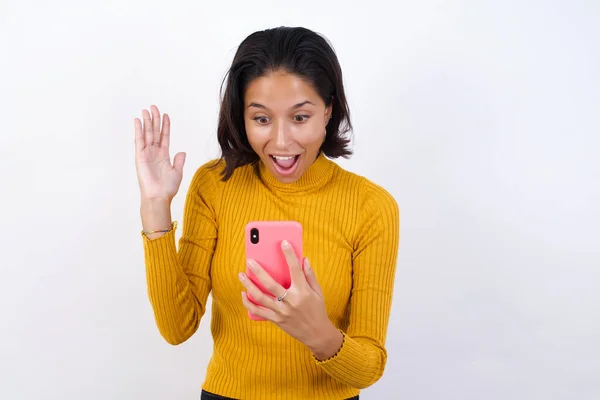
<point>349,358</point>
<point>353,363</point>
<point>158,248</point>
<point>346,353</point>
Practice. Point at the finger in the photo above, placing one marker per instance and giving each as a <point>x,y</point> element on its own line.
<point>256,309</point>
<point>139,135</point>
<point>292,260</point>
<point>178,162</point>
<point>265,279</point>
<point>311,278</point>
<point>147,128</point>
<point>258,295</point>
<point>155,124</point>
<point>165,136</point>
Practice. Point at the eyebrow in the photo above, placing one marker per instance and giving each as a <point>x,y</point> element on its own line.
<point>258,105</point>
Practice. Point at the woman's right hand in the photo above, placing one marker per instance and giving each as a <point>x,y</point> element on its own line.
<point>159,180</point>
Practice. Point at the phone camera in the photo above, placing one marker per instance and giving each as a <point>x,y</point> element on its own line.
<point>254,236</point>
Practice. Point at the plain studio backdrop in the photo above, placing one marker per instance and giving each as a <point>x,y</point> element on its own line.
<point>481,119</point>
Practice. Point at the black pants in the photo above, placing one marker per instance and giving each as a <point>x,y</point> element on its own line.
<point>211,396</point>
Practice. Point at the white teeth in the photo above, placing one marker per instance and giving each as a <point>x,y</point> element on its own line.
<point>283,158</point>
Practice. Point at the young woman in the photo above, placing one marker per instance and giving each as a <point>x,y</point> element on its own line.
<point>283,118</point>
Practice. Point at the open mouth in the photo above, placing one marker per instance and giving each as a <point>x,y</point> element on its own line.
<point>285,165</point>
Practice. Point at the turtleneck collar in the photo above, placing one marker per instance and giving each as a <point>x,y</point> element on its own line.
<point>315,177</point>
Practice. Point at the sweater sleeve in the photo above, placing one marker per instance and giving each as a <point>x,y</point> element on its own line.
<point>179,280</point>
<point>361,360</point>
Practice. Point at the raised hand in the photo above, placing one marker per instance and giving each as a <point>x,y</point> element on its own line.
<point>159,180</point>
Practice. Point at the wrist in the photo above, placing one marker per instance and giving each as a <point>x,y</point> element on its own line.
<point>328,343</point>
<point>155,203</point>
<point>156,215</point>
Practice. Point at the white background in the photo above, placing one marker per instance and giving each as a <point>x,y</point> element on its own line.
<point>480,117</point>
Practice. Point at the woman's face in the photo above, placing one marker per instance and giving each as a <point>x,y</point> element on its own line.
<point>285,122</point>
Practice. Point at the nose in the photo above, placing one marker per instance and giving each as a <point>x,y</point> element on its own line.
<point>282,135</point>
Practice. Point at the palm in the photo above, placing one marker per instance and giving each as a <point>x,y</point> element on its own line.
<point>157,177</point>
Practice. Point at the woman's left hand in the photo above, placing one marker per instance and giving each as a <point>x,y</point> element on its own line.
<point>301,313</point>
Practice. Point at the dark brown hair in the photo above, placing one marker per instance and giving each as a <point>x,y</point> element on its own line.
<point>299,51</point>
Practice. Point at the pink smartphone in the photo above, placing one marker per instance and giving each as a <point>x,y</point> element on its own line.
<point>263,244</point>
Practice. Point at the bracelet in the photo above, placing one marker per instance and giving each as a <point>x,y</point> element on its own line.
<point>173,226</point>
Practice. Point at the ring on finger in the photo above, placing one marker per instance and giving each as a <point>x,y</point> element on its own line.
<point>280,298</point>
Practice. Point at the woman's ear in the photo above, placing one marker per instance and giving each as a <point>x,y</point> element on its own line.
<point>329,112</point>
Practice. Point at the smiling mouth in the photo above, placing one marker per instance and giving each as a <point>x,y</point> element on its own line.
<point>285,165</point>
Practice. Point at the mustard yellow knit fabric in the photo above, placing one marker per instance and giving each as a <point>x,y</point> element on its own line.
<point>351,238</point>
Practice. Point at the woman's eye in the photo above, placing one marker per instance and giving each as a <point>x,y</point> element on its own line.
<point>261,120</point>
<point>300,118</point>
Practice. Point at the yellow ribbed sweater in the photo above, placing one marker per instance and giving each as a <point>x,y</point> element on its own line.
<point>351,236</point>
